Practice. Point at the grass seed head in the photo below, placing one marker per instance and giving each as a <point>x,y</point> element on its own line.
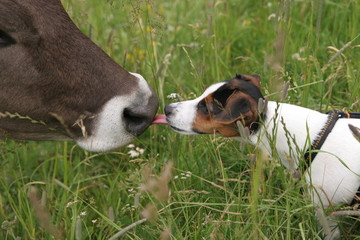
<point>150,213</point>
<point>166,234</point>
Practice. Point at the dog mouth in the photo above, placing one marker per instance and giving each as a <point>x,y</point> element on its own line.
<point>163,119</point>
<point>160,119</point>
<point>181,131</point>
<point>178,129</point>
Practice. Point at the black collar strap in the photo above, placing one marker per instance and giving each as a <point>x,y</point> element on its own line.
<point>317,144</point>
<point>319,141</point>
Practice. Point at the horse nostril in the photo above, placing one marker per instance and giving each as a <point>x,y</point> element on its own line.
<point>137,120</point>
<point>168,110</point>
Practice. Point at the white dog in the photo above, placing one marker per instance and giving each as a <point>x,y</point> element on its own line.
<point>334,170</point>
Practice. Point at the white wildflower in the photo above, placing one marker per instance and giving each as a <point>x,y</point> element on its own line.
<point>271,16</point>
<point>133,153</point>
<point>173,96</point>
<point>296,56</point>
<point>69,204</point>
<point>140,150</point>
<point>170,28</point>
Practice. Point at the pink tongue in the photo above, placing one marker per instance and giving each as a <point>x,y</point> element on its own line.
<point>160,119</point>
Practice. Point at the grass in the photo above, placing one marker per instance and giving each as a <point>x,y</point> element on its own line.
<point>49,189</point>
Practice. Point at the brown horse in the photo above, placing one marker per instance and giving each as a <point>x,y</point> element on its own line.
<point>55,84</point>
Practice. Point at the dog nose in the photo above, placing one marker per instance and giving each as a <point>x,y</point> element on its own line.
<point>168,110</point>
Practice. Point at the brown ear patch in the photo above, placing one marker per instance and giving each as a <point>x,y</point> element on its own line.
<point>221,119</point>
<point>236,106</point>
<point>253,79</point>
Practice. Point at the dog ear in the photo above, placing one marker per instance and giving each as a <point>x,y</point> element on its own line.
<point>253,79</point>
<point>239,107</point>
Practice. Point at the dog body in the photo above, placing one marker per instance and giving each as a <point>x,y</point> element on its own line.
<point>333,174</point>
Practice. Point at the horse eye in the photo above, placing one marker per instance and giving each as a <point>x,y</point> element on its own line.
<point>5,39</point>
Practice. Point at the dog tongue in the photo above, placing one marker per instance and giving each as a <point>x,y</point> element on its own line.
<point>160,119</point>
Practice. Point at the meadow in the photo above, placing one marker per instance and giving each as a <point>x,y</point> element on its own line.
<point>190,187</point>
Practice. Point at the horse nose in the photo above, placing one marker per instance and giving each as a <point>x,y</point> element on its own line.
<point>138,118</point>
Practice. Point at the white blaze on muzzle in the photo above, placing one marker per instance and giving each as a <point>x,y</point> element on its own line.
<point>109,130</point>
<point>183,114</point>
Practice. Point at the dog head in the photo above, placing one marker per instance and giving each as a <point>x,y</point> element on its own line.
<point>219,108</point>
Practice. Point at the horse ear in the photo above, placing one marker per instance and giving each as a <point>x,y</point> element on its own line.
<point>254,79</point>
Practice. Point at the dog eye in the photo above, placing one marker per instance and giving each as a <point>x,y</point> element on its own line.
<point>5,39</point>
<point>202,107</point>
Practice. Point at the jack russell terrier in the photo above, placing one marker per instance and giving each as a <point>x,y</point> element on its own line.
<point>332,153</point>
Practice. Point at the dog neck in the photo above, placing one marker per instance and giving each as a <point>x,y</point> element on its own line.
<point>288,131</point>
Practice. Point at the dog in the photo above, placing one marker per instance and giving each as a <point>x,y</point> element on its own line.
<point>333,175</point>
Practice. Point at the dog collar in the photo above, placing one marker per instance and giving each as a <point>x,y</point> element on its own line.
<point>310,155</point>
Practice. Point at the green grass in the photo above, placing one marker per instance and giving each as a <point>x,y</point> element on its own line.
<point>216,192</point>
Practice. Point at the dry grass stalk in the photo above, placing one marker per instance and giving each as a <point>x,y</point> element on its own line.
<point>163,185</point>
<point>111,213</point>
<point>215,185</point>
<point>43,215</point>
<point>339,52</point>
<point>191,63</point>
<point>63,123</point>
<point>285,91</point>
<point>222,211</point>
<point>19,116</point>
<point>323,221</point>
<point>193,191</point>
<point>318,22</point>
<point>355,213</point>
<point>355,131</point>
<point>166,234</point>
<point>126,229</point>
<point>232,180</point>
<point>158,186</point>
<point>218,186</point>
<point>59,183</point>
<point>213,234</point>
<point>78,228</point>
<point>276,61</point>
<point>80,124</point>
